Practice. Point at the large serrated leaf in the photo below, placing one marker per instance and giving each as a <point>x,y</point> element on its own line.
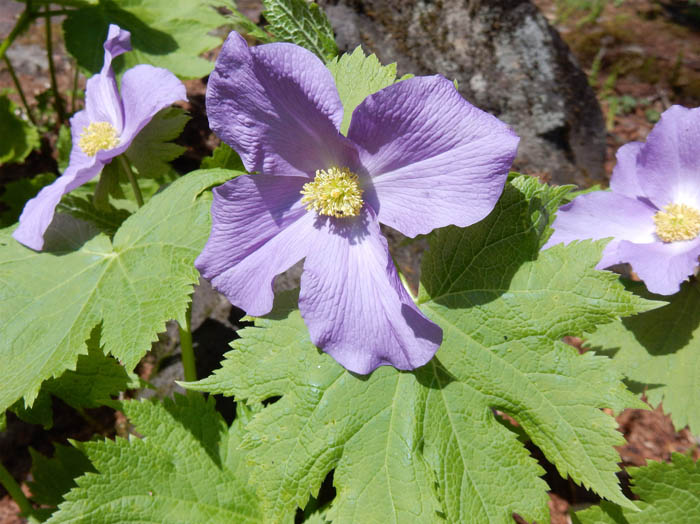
<point>661,348</point>
<point>93,383</point>
<point>669,492</point>
<point>186,469</point>
<point>166,33</point>
<point>50,302</point>
<point>417,447</point>
<point>301,23</point>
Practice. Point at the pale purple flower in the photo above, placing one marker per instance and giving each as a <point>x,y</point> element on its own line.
<point>417,157</point>
<point>103,130</point>
<point>653,210</point>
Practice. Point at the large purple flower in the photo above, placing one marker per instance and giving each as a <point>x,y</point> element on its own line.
<point>103,130</point>
<point>417,156</point>
<point>653,210</point>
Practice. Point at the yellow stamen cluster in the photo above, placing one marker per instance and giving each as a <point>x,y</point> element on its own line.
<point>98,136</point>
<point>677,222</point>
<point>334,192</point>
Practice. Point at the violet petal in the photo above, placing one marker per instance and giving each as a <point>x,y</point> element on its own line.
<point>669,164</point>
<point>604,214</point>
<point>278,107</point>
<point>102,101</point>
<point>624,180</point>
<point>145,91</point>
<point>435,159</point>
<point>259,229</point>
<point>354,305</point>
<point>661,266</point>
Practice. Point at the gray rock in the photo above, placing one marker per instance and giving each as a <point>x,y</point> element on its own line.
<point>506,59</point>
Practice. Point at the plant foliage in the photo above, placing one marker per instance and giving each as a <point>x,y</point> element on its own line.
<point>660,349</point>
<point>668,492</point>
<point>423,445</point>
<point>51,301</point>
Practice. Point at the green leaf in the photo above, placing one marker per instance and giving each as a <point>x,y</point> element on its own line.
<point>93,383</point>
<point>18,192</point>
<point>357,76</point>
<point>669,492</point>
<point>54,477</point>
<point>224,157</point>
<point>301,23</point>
<point>165,33</point>
<point>95,380</point>
<point>19,138</point>
<point>417,447</point>
<point>660,348</point>
<point>187,469</point>
<point>51,301</point>
<point>151,151</point>
<point>107,219</point>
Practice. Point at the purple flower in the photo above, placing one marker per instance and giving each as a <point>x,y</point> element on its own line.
<point>653,210</point>
<point>417,156</point>
<point>103,130</point>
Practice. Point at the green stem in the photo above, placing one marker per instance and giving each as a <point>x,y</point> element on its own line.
<point>58,102</point>
<point>132,179</point>
<point>18,86</point>
<point>186,347</point>
<point>10,484</point>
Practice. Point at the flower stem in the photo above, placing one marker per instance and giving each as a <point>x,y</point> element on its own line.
<point>18,86</point>
<point>186,347</point>
<point>132,179</point>
<point>58,102</point>
<point>10,484</point>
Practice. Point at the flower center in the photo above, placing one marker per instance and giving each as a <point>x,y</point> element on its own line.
<point>677,222</point>
<point>98,136</point>
<point>334,192</point>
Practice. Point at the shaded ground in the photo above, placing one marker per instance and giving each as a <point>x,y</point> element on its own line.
<point>641,56</point>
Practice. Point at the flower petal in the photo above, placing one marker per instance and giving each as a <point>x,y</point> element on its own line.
<point>436,159</point>
<point>39,211</point>
<point>669,165</point>
<point>278,107</point>
<point>661,266</point>
<point>604,214</point>
<point>259,230</point>
<point>102,101</point>
<point>624,180</point>
<point>354,304</point>
<point>145,91</point>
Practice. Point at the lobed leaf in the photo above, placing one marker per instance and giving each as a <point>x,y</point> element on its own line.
<point>660,349</point>
<point>51,301</point>
<point>186,469</point>
<point>425,446</point>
